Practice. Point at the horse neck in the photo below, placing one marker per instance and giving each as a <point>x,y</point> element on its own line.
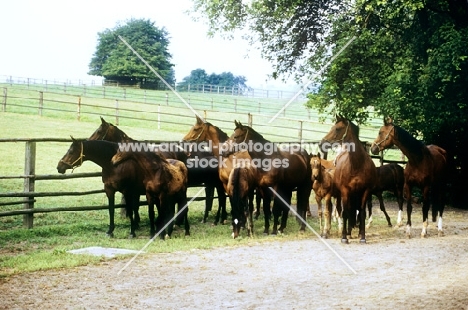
<point>410,146</point>
<point>356,157</point>
<point>219,138</point>
<point>99,153</point>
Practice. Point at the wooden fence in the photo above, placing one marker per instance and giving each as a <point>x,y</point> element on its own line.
<point>29,195</point>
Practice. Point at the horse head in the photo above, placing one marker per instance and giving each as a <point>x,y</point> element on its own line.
<point>73,157</point>
<point>385,137</point>
<point>316,166</point>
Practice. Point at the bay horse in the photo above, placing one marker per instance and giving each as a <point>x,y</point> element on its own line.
<point>207,134</point>
<point>355,174</point>
<point>389,178</point>
<point>196,177</point>
<point>324,188</point>
<point>124,178</point>
<point>285,169</point>
<point>426,168</point>
<point>165,182</point>
<point>241,185</point>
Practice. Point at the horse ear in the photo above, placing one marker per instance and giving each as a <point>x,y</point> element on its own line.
<point>318,155</point>
<point>103,121</point>
<point>73,139</point>
<point>199,120</point>
<point>388,120</point>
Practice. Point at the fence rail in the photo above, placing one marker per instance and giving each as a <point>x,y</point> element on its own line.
<point>29,178</point>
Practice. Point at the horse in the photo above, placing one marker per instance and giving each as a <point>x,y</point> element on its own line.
<point>241,185</point>
<point>282,168</point>
<point>208,135</point>
<point>355,174</point>
<point>196,177</point>
<point>426,168</point>
<point>124,178</point>
<point>165,182</point>
<point>327,164</point>
<point>389,178</point>
<point>324,188</point>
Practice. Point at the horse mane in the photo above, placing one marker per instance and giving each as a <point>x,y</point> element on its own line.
<point>354,128</point>
<point>258,136</point>
<point>414,146</point>
<point>221,134</point>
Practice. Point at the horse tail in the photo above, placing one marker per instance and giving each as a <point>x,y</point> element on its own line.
<point>234,185</point>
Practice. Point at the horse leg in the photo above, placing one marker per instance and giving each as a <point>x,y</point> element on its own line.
<point>328,211</point>
<point>345,215</point>
<point>111,199</point>
<point>130,205</point>
<point>382,208</point>
<point>302,193</point>
<point>151,216</point>
<point>258,203</point>
<point>369,208</point>
<point>183,204</point>
<point>318,199</point>
<point>209,192</point>
<point>438,207</point>
<point>249,216</point>
<point>409,208</point>
<point>425,210</point>
<point>222,202</point>
<point>267,196</point>
<point>362,215</point>
<point>284,209</point>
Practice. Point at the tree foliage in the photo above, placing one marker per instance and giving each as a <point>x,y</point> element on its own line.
<point>113,60</point>
<point>199,77</point>
<point>409,59</point>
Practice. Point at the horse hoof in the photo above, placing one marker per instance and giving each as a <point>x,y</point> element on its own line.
<point>131,236</point>
<point>362,241</point>
<point>441,233</point>
<point>110,235</point>
<point>344,240</point>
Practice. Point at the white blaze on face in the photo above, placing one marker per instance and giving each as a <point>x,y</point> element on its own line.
<point>236,221</point>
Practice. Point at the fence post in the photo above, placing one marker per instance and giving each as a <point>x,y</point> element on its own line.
<point>117,112</point>
<point>159,116</point>
<point>167,99</point>
<point>41,102</point>
<point>4,99</point>
<point>204,114</point>
<point>78,112</point>
<point>212,101</point>
<point>300,131</point>
<point>29,170</point>
<point>64,87</point>
<point>235,105</point>
<point>103,92</point>
<point>125,93</point>
<point>250,120</point>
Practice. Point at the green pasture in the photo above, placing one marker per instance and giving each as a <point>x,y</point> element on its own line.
<point>44,246</point>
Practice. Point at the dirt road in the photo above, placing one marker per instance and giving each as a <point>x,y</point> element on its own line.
<point>392,273</point>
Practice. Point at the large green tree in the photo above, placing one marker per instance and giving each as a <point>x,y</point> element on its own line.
<point>409,59</point>
<point>113,60</point>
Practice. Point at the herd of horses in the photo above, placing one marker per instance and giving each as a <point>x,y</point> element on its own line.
<point>350,179</point>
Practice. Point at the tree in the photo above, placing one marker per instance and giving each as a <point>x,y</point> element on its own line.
<point>409,61</point>
<point>200,77</point>
<point>113,60</point>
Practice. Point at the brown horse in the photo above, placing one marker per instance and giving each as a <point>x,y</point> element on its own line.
<point>355,174</point>
<point>196,177</point>
<point>389,178</point>
<point>324,188</point>
<point>283,168</point>
<point>124,178</point>
<point>241,185</point>
<point>426,168</point>
<point>206,134</point>
<point>165,182</point>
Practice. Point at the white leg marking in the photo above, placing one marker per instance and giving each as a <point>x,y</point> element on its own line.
<point>399,219</point>
<point>439,224</point>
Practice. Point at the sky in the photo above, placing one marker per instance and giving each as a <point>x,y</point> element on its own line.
<point>52,39</point>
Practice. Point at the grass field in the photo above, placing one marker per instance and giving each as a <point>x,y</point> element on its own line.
<point>45,246</point>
